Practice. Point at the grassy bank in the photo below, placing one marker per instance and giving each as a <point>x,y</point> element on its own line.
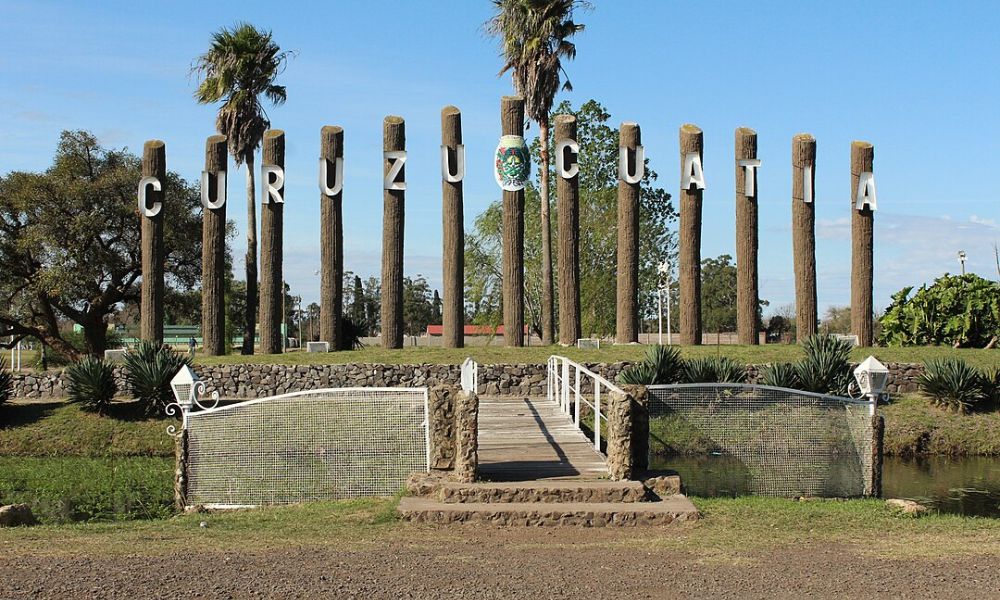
<point>539,354</point>
<point>728,528</point>
<point>914,428</point>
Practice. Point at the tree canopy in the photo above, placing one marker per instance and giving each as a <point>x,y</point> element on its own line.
<point>69,242</point>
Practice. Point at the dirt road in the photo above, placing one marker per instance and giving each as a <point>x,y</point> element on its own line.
<point>479,562</point>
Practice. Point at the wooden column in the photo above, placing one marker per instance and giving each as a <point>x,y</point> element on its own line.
<point>512,123</point>
<point>747,293</point>
<point>862,256</point>
<point>627,313</point>
<point>568,207</point>
<point>271,251</point>
<point>689,279</point>
<point>331,275</point>
<point>804,233</point>
<point>154,164</point>
<point>393,140</point>
<point>453,217</point>
<point>213,250</point>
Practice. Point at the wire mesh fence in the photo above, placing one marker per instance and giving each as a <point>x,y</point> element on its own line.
<point>315,445</point>
<point>786,442</point>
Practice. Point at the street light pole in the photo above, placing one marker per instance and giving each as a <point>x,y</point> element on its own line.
<point>961,259</point>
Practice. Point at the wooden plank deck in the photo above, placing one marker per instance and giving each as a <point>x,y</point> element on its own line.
<point>525,439</point>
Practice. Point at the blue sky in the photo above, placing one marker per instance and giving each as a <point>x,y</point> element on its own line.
<point>917,79</point>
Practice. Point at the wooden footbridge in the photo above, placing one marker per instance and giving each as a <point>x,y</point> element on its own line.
<point>537,467</point>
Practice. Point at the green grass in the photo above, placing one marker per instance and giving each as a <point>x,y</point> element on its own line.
<point>539,355</point>
<point>63,490</point>
<point>58,428</point>
<point>914,427</point>
<point>729,528</point>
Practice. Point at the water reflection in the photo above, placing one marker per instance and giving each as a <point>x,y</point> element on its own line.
<point>965,486</point>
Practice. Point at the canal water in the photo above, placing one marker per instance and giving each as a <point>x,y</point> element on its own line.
<point>966,486</point>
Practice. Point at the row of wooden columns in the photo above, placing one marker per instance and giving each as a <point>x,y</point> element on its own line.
<point>512,123</point>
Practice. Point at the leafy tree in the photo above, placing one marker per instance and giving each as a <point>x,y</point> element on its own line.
<point>534,38</point>
<point>418,305</point>
<point>598,161</point>
<point>241,65</point>
<point>718,293</point>
<point>436,306</point>
<point>958,310</point>
<point>69,243</point>
<point>837,320</point>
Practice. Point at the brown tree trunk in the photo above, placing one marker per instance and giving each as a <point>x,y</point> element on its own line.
<point>154,164</point>
<point>512,123</point>
<point>862,256</point>
<point>747,305</point>
<point>393,139</point>
<point>331,240</point>
<point>453,310</point>
<point>272,289</point>
<point>804,235</point>
<point>548,302</point>
<point>627,315</point>
<point>213,254</point>
<point>689,278</point>
<point>568,203</point>
<point>250,262</point>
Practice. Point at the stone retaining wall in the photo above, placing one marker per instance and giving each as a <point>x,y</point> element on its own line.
<point>254,381</point>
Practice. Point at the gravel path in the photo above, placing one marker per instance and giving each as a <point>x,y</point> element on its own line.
<point>484,563</point>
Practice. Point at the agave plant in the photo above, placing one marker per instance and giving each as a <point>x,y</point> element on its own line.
<point>714,369</point>
<point>662,365</point>
<point>91,382</point>
<point>783,375</point>
<point>953,384</point>
<point>149,367</point>
<point>6,381</point>
<point>991,387</point>
<point>826,368</point>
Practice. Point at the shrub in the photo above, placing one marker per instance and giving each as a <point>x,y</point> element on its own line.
<point>350,335</point>
<point>715,369</point>
<point>149,367</point>
<point>955,309</point>
<point>991,388</point>
<point>6,381</point>
<point>662,365</point>
<point>826,368</point>
<point>91,382</point>
<point>952,383</point>
<point>783,375</point>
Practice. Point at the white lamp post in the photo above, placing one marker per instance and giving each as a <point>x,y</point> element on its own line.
<point>188,392</point>
<point>663,269</point>
<point>871,377</point>
<point>961,259</point>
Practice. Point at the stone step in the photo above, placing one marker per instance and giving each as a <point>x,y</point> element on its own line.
<point>594,514</point>
<point>567,491</point>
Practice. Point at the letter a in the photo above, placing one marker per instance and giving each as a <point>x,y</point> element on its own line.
<point>693,173</point>
<point>866,192</point>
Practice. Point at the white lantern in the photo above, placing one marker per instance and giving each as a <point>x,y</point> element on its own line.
<point>183,385</point>
<point>871,376</point>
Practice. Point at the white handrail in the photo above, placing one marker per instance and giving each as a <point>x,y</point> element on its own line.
<point>569,393</point>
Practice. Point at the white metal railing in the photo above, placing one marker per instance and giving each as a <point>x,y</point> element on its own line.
<point>568,386</point>
<point>470,375</point>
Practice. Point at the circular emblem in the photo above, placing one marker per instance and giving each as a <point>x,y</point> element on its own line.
<point>512,163</point>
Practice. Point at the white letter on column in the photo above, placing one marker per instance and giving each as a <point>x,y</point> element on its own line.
<point>446,172</point>
<point>807,184</point>
<point>693,173</point>
<point>866,192</point>
<point>398,157</point>
<point>144,183</point>
<point>324,177</point>
<point>570,171</point>
<point>220,190</point>
<point>640,164</point>
<point>272,191</point>
<point>749,175</point>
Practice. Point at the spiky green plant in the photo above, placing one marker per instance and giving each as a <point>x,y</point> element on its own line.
<point>826,368</point>
<point>662,365</point>
<point>91,382</point>
<point>953,384</point>
<point>149,367</point>
<point>6,381</point>
<point>714,369</point>
<point>781,375</point>
<point>991,388</point>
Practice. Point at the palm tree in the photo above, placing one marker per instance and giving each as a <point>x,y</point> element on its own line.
<point>240,66</point>
<point>534,38</point>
